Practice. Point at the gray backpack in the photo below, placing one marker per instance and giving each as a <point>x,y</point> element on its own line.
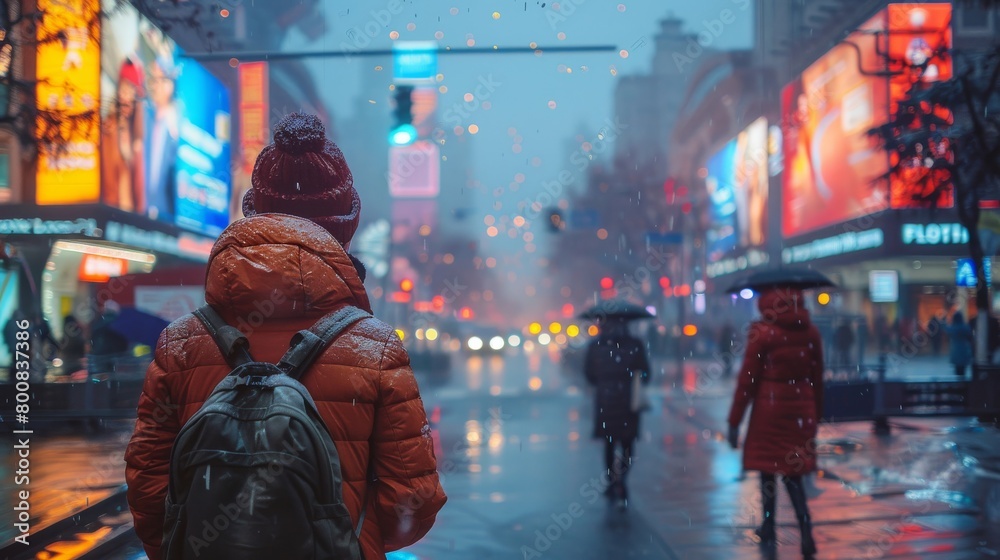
<point>254,474</point>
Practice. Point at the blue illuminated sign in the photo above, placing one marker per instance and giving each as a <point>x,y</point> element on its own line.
<point>965,273</point>
<point>414,62</point>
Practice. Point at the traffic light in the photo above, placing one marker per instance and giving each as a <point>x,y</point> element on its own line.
<point>556,221</point>
<point>406,285</point>
<point>403,133</point>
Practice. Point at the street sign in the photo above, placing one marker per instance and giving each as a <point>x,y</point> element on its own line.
<point>415,170</point>
<point>965,273</point>
<point>668,238</point>
<point>883,286</point>
<point>414,62</point>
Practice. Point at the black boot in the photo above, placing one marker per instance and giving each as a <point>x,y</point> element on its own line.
<point>797,494</point>
<point>769,499</point>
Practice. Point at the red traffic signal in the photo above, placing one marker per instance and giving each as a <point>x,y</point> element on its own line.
<point>607,283</point>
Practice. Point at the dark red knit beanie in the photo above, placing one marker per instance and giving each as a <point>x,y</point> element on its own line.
<point>304,174</point>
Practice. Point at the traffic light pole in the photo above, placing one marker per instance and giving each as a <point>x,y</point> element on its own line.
<point>262,56</point>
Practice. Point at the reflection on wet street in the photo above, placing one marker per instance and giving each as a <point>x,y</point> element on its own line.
<point>71,468</point>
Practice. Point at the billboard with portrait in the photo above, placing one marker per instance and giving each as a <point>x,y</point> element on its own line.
<point>920,38</point>
<point>831,163</point>
<point>123,94</point>
<point>737,185</point>
<point>67,72</point>
<point>165,143</point>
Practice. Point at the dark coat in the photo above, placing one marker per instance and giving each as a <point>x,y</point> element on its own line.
<point>270,276</point>
<point>74,348</point>
<point>611,363</point>
<point>782,375</point>
<point>960,338</point>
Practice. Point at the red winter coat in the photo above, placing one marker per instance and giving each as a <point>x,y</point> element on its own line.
<point>782,375</point>
<point>270,276</point>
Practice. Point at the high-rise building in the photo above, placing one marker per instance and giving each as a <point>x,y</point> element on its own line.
<point>648,105</point>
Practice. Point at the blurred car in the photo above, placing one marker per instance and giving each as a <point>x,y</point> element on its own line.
<point>487,340</point>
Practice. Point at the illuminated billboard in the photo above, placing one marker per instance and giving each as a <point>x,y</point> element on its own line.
<point>165,134</point>
<point>919,36</point>
<point>414,170</point>
<point>737,184</point>
<point>203,159</point>
<point>721,234</point>
<point>68,83</point>
<point>830,161</point>
<point>254,132</point>
<point>832,166</point>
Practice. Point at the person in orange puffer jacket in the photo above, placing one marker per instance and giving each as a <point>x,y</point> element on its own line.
<point>270,275</point>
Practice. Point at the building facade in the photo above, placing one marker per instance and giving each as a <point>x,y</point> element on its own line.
<point>791,125</point>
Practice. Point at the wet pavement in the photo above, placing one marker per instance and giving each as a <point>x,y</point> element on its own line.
<point>71,467</point>
<point>524,477</point>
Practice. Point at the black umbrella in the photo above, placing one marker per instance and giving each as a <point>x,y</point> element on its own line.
<point>616,309</point>
<point>800,278</point>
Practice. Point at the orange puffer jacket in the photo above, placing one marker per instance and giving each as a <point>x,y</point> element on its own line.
<point>270,276</point>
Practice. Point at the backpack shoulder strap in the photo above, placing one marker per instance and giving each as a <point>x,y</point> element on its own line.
<point>232,343</point>
<point>308,344</point>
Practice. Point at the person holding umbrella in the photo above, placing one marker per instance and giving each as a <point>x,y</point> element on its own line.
<point>782,377</point>
<point>617,367</point>
<point>107,345</point>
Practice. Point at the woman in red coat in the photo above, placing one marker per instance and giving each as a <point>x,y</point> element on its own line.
<point>782,374</point>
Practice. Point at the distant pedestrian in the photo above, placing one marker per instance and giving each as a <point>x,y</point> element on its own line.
<point>107,345</point>
<point>616,366</point>
<point>994,337</point>
<point>74,345</point>
<point>782,377</point>
<point>935,331</point>
<point>960,343</point>
<point>907,330</point>
<point>44,347</point>
<point>882,335</point>
<point>843,341</point>
<point>18,319</point>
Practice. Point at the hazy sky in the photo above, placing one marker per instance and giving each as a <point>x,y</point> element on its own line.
<point>525,86</point>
